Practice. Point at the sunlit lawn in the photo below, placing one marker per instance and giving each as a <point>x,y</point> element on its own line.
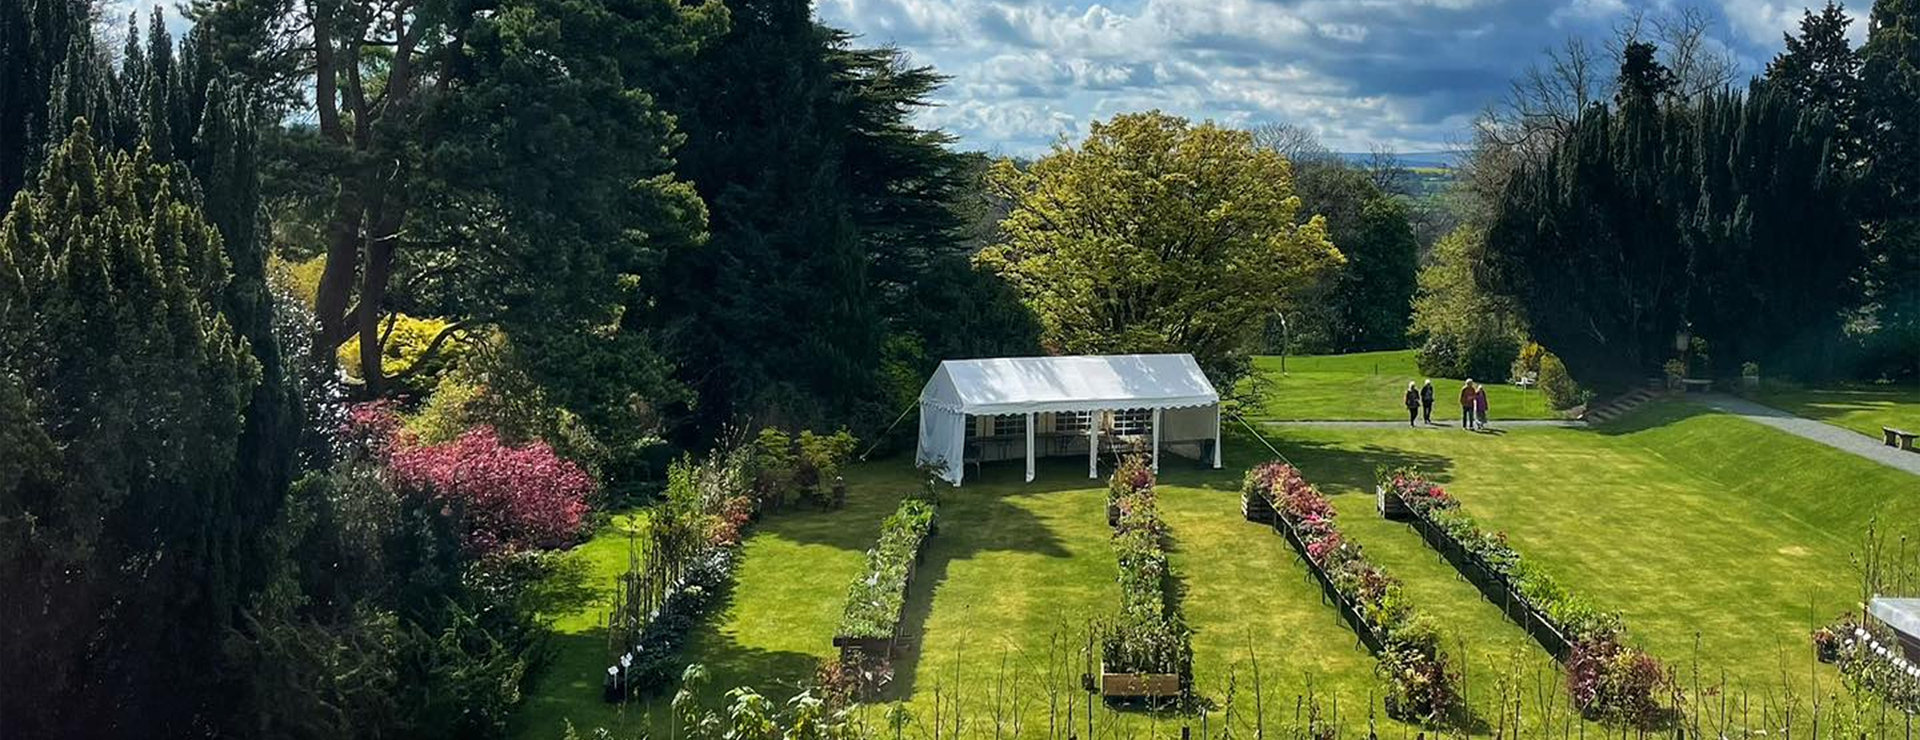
<point>1696,526</point>
<point>1862,408</point>
<point>1370,386</point>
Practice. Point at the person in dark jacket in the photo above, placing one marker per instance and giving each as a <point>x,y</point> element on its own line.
<point>1412,400</point>
<point>1466,405</point>
<point>1426,402</point>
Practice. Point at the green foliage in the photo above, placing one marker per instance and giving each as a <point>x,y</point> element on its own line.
<point>1365,306</point>
<point>1465,330</point>
<point>1557,385</point>
<point>877,596</point>
<point>830,217</point>
<point>127,536</point>
<point>1726,215</point>
<point>1890,105</point>
<point>1149,634</point>
<point>414,355</point>
<point>486,391</point>
<point>1157,235</point>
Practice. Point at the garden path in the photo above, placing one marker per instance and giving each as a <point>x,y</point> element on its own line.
<point>1841,439</point>
<point>1493,424</point>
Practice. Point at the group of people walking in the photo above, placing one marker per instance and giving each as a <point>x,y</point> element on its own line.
<point>1473,404</point>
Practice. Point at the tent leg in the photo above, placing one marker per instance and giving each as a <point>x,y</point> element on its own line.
<point>1216,437</point>
<point>1093,444</point>
<point>1030,419</point>
<point>1156,441</point>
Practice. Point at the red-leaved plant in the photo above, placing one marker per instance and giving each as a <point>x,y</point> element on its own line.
<point>506,498</point>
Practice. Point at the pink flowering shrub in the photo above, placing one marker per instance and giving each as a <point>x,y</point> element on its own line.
<point>506,499</point>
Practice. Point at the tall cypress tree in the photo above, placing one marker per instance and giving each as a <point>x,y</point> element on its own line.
<point>827,207</point>
<point>1890,103</point>
<point>118,544</point>
<point>35,36</point>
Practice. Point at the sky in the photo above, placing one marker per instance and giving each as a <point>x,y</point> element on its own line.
<point>1408,75</point>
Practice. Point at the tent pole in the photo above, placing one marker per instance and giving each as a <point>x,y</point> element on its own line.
<point>1093,444</point>
<point>1216,436</point>
<point>1156,441</point>
<point>1030,420</point>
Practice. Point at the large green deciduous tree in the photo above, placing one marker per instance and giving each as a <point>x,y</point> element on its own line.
<point>500,163</point>
<point>124,532</point>
<point>1157,235</point>
<point>1367,303</point>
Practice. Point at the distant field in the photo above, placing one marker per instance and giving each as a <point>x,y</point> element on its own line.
<point>1862,408</point>
<point>1368,387</point>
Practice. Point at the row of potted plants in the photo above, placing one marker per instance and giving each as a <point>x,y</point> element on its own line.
<point>1146,649</point>
<point>1869,656</point>
<point>877,596</point>
<point>1606,677</point>
<point>1423,684</point>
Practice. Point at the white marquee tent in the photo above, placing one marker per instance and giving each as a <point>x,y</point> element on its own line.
<point>1083,393</point>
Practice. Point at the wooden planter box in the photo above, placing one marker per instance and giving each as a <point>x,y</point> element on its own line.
<point>1391,506</point>
<point>1138,685</point>
<point>1494,587</point>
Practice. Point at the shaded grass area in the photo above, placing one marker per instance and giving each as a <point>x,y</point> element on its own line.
<point>1369,386</point>
<point>1697,526</point>
<point>1861,408</point>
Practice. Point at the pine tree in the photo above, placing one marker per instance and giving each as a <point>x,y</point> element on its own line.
<point>35,36</point>
<point>119,552</point>
<point>829,210</point>
<point>1890,94</point>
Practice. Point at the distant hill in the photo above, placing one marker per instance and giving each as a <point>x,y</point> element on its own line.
<point>1442,160</point>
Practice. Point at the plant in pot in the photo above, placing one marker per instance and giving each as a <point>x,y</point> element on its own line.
<point>1750,374</point>
<point>1676,370</point>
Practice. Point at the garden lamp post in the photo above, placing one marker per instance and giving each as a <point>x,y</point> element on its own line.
<point>1285,340</point>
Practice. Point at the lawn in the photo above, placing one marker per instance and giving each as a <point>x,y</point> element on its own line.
<point>1862,408</point>
<point>1737,549</point>
<point>1370,386</point>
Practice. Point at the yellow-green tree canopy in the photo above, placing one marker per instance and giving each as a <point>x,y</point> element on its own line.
<point>1157,235</point>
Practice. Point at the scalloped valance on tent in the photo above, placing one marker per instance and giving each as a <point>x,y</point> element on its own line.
<point>1167,399</point>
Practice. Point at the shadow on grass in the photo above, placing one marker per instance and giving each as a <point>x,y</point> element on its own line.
<point>1652,416</point>
<point>1346,468</point>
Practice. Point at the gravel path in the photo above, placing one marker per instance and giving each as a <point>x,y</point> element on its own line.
<point>1827,434</point>
<point>1454,425</point>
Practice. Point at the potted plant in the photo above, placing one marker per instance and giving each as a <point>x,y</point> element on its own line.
<point>1750,374</point>
<point>1676,370</point>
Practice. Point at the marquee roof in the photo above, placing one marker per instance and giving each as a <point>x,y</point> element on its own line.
<point>1900,614</point>
<point>1018,385</point>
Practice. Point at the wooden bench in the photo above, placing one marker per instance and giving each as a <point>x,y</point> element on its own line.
<point>1900,438</point>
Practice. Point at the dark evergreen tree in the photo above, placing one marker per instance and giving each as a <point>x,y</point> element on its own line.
<point>1890,105</point>
<point>1642,77</point>
<point>119,547</point>
<point>35,38</point>
<point>1819,68</point>
<point>830,212</point>
<point>1729,219</point>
